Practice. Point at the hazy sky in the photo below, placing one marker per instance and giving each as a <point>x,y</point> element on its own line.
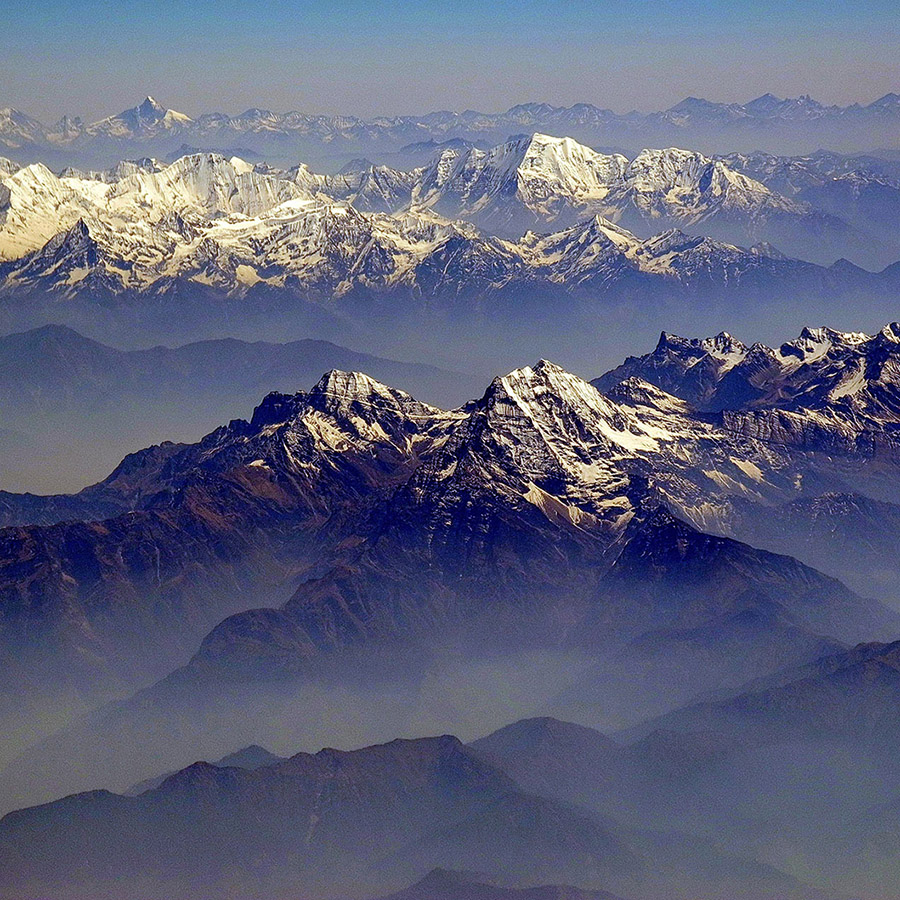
<point>368,57</point>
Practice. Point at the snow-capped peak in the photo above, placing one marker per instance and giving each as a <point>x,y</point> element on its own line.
<point>529,179</point>
<point>355,386</point>
<point>687,184</point>
<point>725,347</point>
<point>814,343</point>
<point>149,107</point>
<point>565,161</point>
<point>536,179</point>
<point>555,403</point>
<point>366,406</point>
<point>726,350</point>
<point>147,118</point>
<point>849,379</point>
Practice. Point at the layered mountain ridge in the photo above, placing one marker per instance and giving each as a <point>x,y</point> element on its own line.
<point>544,518</point>
<point>350,822</point>
<point>824,388</point>
<point>228,228</point>
<point>678,583</point>
<point>549,548</point>
<point>767,122</point>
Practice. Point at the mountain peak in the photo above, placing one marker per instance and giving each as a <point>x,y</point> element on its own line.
<point>764,104</point>
<point>364,408</point>
<point>538,728</point>
<point>53,330</point>
<point>724,344</point>
<point>543,371</point>
<point>353,386</point>
<point>693,103</point>
<point>813,340</point>
<point>535,390</point>
<point>669,340</point>
<point>545,366</point>
<point>148,115</point>
<point>76,239</point>
<point>148,110</point>
<point>890,100</point>
<point>637,391</point>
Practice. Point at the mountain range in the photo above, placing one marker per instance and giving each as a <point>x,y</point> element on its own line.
<point>546,527</point>
<point>340,823</point>
<point>351,564</point>
<point>862,190</point>
<point>436,625</point>
<point>206,244</point>
<point>768,123</point>
<point>824,389</point>
<point>535,801</point>
<point>532,182</point>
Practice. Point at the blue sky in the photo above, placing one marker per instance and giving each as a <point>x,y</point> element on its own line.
<point>93,57</point>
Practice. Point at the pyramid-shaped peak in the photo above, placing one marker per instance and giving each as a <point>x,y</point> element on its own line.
<point>600,225</point>
<point>532,384</point>
<point>636,391</point>
<point>150,105</point>
<point>149,112</point>
<point>540,371</point>
<point>78,230</point>
<point>255,112</point>
<point>76,239</point>
<point>438,880</point>
<point>545,365</point>
<point>763,104</point>
<point>691,103</point>
<point>888,101</point>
